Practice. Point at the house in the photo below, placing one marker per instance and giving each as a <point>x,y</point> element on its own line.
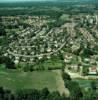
<point>86,60</point>
<point>66,60</point>
<point>74,67</point>
<point>40,57</point>
<point>92,71</point>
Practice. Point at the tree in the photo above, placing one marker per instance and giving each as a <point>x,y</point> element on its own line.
<point>93,86</point>
<point>65,76</point>
<point>74,89</point>
<point>1,93</point>
<point>44,93</point>
<point>8,62</point>
<point>2,28</point>
<point>54,96</point>
<point>85,70</point>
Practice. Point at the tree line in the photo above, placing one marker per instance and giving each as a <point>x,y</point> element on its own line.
<point>30,94</point>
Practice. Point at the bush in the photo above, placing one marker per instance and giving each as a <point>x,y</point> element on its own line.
<point>8,62</point>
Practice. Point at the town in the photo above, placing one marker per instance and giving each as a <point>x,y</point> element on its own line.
<point>38,41</point>
<point>56,50</point>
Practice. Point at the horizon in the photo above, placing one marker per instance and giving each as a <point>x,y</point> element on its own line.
<point>6,1</point>
<point>9,1</point>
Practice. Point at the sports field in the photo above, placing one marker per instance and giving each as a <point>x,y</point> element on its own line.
<point>16,80</point>
<point>19,80</point>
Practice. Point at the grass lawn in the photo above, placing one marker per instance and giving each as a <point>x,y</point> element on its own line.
<point>86,83</point>
<point>18,80</point>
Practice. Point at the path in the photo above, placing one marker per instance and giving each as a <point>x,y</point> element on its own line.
<point>60,83</point>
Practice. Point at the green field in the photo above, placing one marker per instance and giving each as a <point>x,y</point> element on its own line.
<point>86,83</point>
<point>15,80</point>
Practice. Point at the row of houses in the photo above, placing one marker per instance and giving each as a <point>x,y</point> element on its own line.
<point>90,64</point>
<point>32,41</point>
